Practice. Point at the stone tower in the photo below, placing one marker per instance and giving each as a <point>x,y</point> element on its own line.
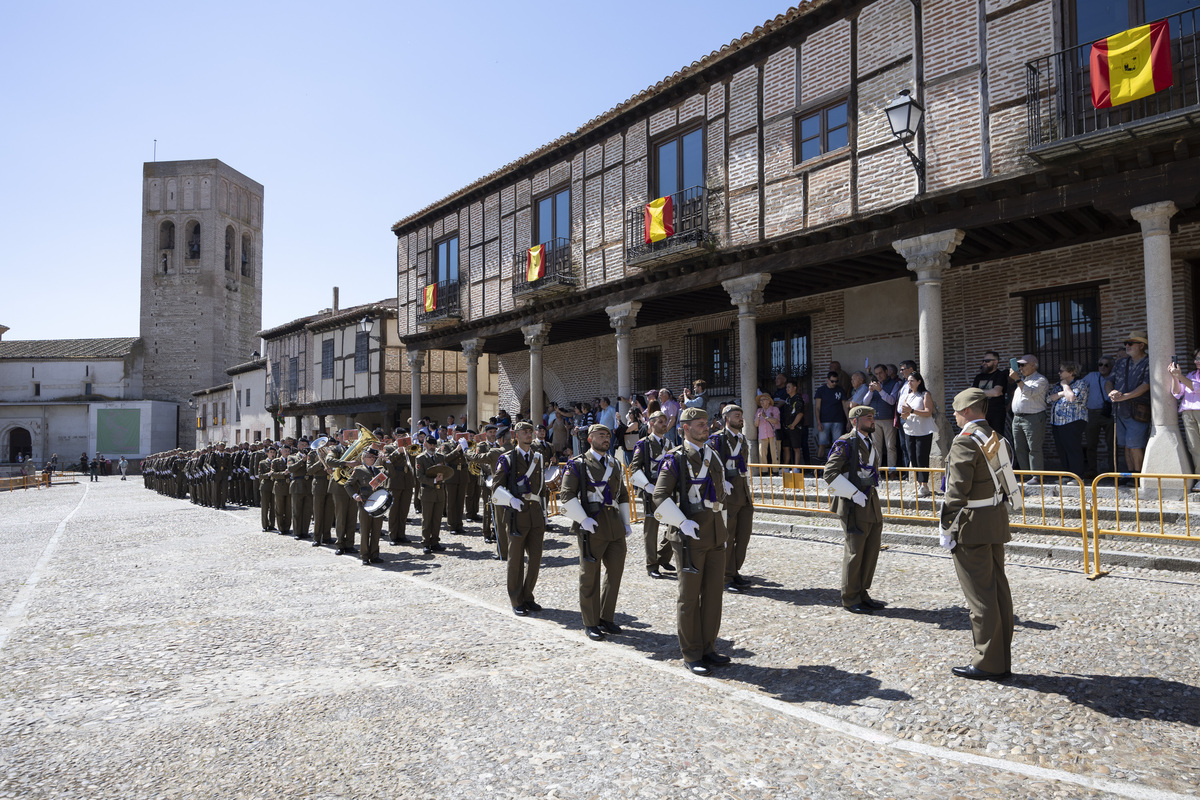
<point>201,278</point>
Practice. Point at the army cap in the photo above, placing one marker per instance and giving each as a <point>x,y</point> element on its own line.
<point>523,425</point>
<point>656,415</point>
<point>861,411</point>
<point>305,440</point>
<point>690,414</point>
<point>967,398</point>
<point>729,409</point>
<point>598,428</point>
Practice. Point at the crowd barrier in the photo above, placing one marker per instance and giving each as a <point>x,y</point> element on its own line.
<point>1147,518</point>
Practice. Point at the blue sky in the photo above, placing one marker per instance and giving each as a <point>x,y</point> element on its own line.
<point>351,119</point>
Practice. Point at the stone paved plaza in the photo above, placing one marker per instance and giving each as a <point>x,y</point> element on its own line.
<point>151,648</point>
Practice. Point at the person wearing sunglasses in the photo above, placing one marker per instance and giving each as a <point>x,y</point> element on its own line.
<point>1099,418</point>
<point>1186,389</point>
<point>1129,390</point>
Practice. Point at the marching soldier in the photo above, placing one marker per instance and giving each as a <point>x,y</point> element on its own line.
<point>365,479</point>
<point>730,445</point>
<point>688,497</point>
<point>300,490</point>
<point>647,458</point>
<point>518,485</point>
<point>266,488</point>
<point>322,503</point>
<point>433,494</point>
<point>282,480</point>
<point>974,528</point>
<point>852,474</point>
<point>596,501</point>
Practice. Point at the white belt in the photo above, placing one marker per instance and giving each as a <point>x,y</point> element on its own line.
<point>991,502</point>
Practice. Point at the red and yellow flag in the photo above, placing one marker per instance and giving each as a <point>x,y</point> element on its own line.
<point>535,263</point>
<point>1131,65</point>
<point>660,219</point>
<point>430,298</point>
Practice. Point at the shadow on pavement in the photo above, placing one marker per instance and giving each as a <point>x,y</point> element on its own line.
<point>817,682</point>
<point>813,596</point>
<point>1121,696</point>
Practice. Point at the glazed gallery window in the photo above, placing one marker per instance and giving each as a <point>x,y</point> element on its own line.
<point>552,218</point>
<point>822,131</point>
<point>679,163</point>
<point>446,254</point>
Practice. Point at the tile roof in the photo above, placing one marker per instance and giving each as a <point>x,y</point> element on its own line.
<point>801,9</point>
<point>69,348</point>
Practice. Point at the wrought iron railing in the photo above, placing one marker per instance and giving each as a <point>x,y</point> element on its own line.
<point>446,305</point>
<point>1058,90</point>
<point>690,220</point>
<point>558,270</point>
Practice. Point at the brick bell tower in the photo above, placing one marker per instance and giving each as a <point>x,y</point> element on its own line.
<point>201,306</point>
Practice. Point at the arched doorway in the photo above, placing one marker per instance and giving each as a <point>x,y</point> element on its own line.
<point>20,443</point>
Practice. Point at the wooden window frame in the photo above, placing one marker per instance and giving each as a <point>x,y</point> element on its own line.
<point>533,213</point>
<point>677,134</point>
<point>822,112</point>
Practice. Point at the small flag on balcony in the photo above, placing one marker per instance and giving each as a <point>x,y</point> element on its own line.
<point>660,219</point>
<point>430,298</point>
<point>1131,65</point>
<point>535,263</point>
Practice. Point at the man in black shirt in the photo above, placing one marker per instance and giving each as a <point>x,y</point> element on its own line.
<point>792,416</point>
<point>994,383</point>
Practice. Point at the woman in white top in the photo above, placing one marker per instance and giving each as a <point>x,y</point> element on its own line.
<point>917,409</point>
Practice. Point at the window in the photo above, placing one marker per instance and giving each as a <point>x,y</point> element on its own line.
<point>822,131</point>
<point>237,407</point>
<point>237,436</point>
<point>493,362</point>
<point>327,359</point>
<point>246,270</point>
<point>193,244</point>
<point>447,263</point>
<point>679,163</point>
<point>230,237</point>
<point>552,219</point>
<point>223,417</point>
<point>294,379</point>
<point>204,416</point>
<point>1096,19</point>
<point>166,236</point>
<point>37,389</point>
<point>708,357</point>
<point>1063,325</point>
<point>647,369</point>
<point>784,347</point>
<point>362,357</point>
<point>247,399</point>
<point>87,389</point>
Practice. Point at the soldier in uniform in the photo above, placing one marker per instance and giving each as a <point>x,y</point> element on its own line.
<point>688,496</point>
<point>974,528</point>
<point>852,473</point>
<point>473,490</point>
<point>456,484</point>
<point>322,504</point>
<point>495,517</point>
<point>647,457</point>
<point>221,464</point>
<point>433,496</point>
<point>400,483</point>
<point>281,481</point>
<point>595,499</point>
<point>731,446</point>
<point>361,483</point>
<point>300,490</point>
<point>518,485</point>
<point>266,488</point>
<point>344,510</point>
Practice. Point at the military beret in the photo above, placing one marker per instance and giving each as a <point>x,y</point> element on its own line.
<point>598,428</point>
<point>967,398</point>
<point>731,408</point>
<point>861,411</point>
<point>690,414</point>
<point>523,425</point>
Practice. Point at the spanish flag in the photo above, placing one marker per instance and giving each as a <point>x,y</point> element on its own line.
<point>535,263</point>
<point>1131,65</point>
<point>430,298</point>
<point>660,219</point>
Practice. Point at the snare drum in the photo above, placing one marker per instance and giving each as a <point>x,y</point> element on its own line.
<point>552,478</point>
<point>378,503</point>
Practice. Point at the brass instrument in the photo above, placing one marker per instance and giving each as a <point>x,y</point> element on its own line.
<point>343,466</point>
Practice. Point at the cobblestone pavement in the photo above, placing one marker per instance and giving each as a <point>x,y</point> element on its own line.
<point>151,648</point>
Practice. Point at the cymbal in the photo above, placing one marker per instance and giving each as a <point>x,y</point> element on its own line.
<point>439,469</point>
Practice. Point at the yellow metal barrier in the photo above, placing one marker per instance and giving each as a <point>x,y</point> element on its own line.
<point>1153,524</point>
<point>35,481</point>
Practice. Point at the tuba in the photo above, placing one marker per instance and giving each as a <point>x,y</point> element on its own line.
<point>342,467</point>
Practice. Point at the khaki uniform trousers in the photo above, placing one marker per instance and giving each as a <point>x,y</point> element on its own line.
<point>369,529</point>
<point>740,525</point>
<point>322,507</point>
<point>861,552</point>
<point>283,510</point>
<point>433,505</point>
<point>343,515</point>
<point>456,496</point>
<point>302,509</point>
<point>698,609</point>
<point>526,539</point>
<point>267,504</point>
<point>980,570</point>
<point>598,599</point>
<point>658,549</point>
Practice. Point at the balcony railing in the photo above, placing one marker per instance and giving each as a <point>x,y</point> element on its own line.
<point>446,305</point>
<point>690,220</point>
<point>557,277</point>
<point>1058,96</point>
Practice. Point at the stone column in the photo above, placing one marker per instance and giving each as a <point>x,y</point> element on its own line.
<point>929,256</point>
<point>536,337</point>
<point>746,293</point>
<point>416,365</point>
<point>1165,453</point>
<point>471,349</point>
<point>623,317</point>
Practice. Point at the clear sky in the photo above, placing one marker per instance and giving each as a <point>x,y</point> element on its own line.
<point>351,115</point>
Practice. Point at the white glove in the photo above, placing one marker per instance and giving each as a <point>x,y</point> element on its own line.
<point>860,499</point>
<point>947,541</point>
<point>841,486</point>
<point>728,488</point>
<point>462,445</point>
<point>628,531</point>
<point>516,504</point>
<point>690,528</point>
<point>624,508</point>
<point>588,524</point>
<point>640,481</point>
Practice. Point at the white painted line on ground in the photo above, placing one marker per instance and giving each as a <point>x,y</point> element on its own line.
<point>1134,791</point>
<point>15,615</point>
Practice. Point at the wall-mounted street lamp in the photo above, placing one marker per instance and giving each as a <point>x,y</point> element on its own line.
<point>904,115</point>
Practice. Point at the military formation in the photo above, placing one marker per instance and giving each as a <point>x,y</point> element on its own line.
<point>697,521</point>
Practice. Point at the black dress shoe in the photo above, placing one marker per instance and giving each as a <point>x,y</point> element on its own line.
<point>401,540</point>
<point>733,588</point>
<point>653,573</point>
<point>871,602</point>
<point>438,548</point>
<point>532,606</point>
<point>460,531</point>
<point>520,611</point>
<point>740,581</point>
<point>698,668</point>
<point>594,633</point>
<point>486,540</point>
<point>427,550</point>
<point>610,627</point>
<point>860,608</point>
<point>716,659</point>
<point>376,560</point>
<point>366,562</point>
<point>284,533</point>
<point>300,536</point>
<point>666,567</point>
<point>316,544</point>
<point>341,551</point>
<point>974,673</point>
<point>351,549</point>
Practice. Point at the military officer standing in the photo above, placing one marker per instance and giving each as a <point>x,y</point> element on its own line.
<point>518,485</point>
<point>433,496</point>
<point>280,477</point>
<point>344,509</point>
<point>595,499</point>
<point>300,490</point>
<point>647,458</point>
<point>266,489</point>
<point>974,528</point>
<point>400,482</point>
<point>731,446</point>
<point>322,503</point>
<point>852,473</point>
<point>365,479</point>
<point>688,496</point>
<point>486,454</point>
<point>456,484</point>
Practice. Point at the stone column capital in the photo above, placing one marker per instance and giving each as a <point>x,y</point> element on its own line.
<point>747,290</point>
<point>471,349</point>
<point>928,255</point>
<point>416,360</point>
<point>1155,218</point>
<point>537,335</point>
<point>623,316</point>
